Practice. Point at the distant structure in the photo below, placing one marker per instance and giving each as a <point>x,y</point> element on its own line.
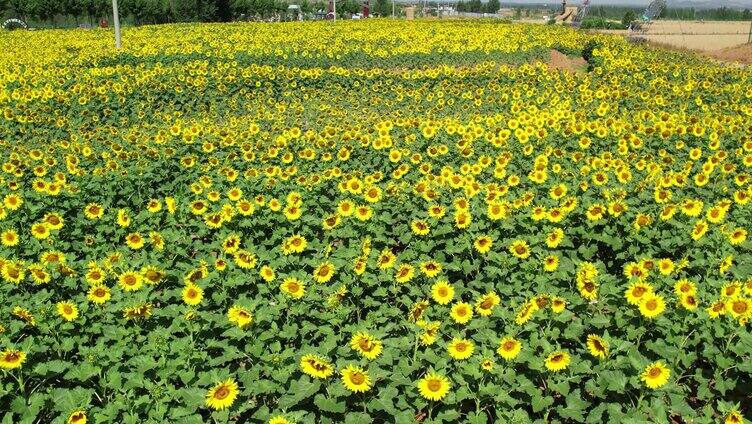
<point>642,25</point>
<point>573,15</point>
<point>582,13</point>
<point>653,10</point>
<point>506,13</point>
<point>410,13</point>
<point>330,10</point>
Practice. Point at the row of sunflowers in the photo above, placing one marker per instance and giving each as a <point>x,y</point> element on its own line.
<point>371,222</point>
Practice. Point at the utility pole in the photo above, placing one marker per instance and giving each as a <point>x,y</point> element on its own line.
<point>334,9</point>
<point>392,9</point>
<point>116,18</point>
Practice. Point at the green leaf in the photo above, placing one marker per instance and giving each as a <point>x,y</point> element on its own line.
<point>575,407</point>
<point>329,405</point>
<point>299,390</point>
<point>193,398</point>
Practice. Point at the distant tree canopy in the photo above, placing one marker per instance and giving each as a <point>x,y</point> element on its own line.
<point>62,12</point>
<point>161,11</point>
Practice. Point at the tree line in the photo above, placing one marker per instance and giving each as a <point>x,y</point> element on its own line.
<point>61,12</point>
<point>476,6</point>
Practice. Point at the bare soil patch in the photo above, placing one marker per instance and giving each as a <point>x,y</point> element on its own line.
<point>559,60</point>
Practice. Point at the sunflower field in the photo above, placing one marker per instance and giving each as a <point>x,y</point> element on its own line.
<point>379,221</point>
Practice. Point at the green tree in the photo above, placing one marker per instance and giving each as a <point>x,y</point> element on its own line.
<point>492,6</point>
<point>382,7</point>
<point>629,17</point>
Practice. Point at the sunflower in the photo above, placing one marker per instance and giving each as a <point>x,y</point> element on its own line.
<point>386,259</point>
<point>331,222</point>
<point>737,236</point>
<point>222,395</point>
<point>40,230</point>
<point>245,259</point>
<point>554,238</point>
<point>442,292</point>
<point>461,313</point>
<point>25,315</point>
<point>77,417</point>
<point>366,345</point>
<point>430,268</point>
<point>267,273</point>
<point>526,312</point>
<point>138,311</point>
<point>39,274</point>
<point>98,294</point>
<point>487,365</point>
<point>652,305</point>
<point>557,361</point>
<point>279,419</point>
<point>420,227</point>
<point>359,265</point>
<point>483,244</point>
<point>293,212</point>
<point>130,281</point>
<point>699,230</point>
<point>486,303</point>
<point>666,266</point>
<point>13,201</point>
<point>637,292</point>
<point>550,263</point>
<point>684,287</point>
<point>739,307</point>
<point>363,213</point>
<point>346,208</point>
<point>460,348</point>
<point>520,249</point>
<point>316,366</point>
<point>324,272</point>
<point>734,417</point>
<point>95,275</point>
<point>154,206</point>
<point>655,375</point>
<point>9,238</point>
<point>294,244</point>
<point>192,294</point>
<point>597,346</point>
<point>67,310</point>
<point>240,316</point>
<point>231,243</point>
<point>509,348</point>
<point>558,304</point>
<point>134,241</point>
<point>93,211</point>
<point>356,379</point>
<point>372,194</point>
<point>462,219</point>
<point>434,386</point>
<point>404,273</point>
<point>293,287</point>
<point>11,359</point>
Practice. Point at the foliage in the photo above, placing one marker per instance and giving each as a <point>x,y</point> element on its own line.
<point>595,225</point>
<point>592,22</point>
<point>629,17</point>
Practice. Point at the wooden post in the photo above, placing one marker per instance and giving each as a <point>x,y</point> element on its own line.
<point>116,18</point>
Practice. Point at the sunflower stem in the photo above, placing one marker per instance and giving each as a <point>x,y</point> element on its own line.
<point>415,349</point>
<point>21,386</point>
